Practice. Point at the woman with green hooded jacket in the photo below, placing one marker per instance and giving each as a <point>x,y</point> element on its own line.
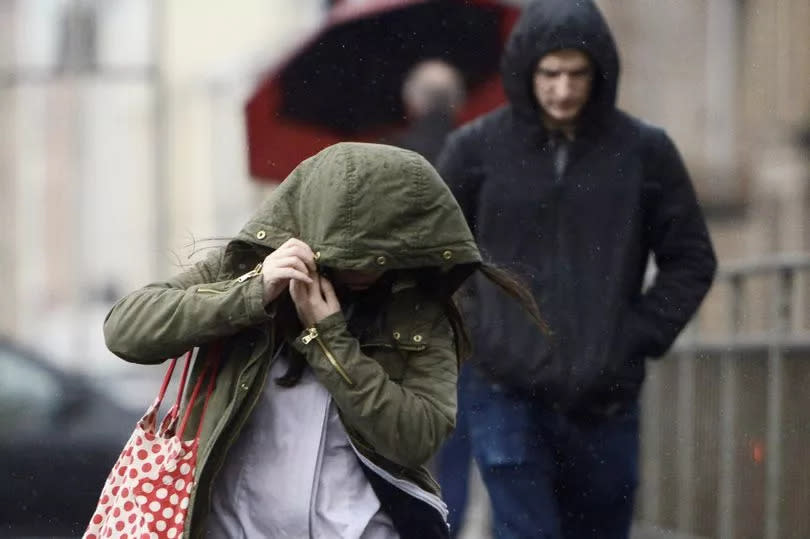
<point>340,344</point>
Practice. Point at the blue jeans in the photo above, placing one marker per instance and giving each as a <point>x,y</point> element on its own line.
<point>548,475</point>
<point>454,460</point>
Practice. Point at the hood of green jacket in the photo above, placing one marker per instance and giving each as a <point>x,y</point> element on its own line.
<point>367,206</point>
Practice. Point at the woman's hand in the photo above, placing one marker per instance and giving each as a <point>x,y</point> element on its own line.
<point>314,301</point>
<point>294,261</point>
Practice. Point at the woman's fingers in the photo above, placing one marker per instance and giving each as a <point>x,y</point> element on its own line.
<point>328,291</point>
<point>313,295</point>
<point>291,262</point>
<point>274,280</point>
<point>291,273</point>
<point>297,291</point>
<point>301,296</point>
<point>296,247</point>
<point>315,290</point>
<point>315,301</point>
<point>293,243</point>
<point>288,259</point>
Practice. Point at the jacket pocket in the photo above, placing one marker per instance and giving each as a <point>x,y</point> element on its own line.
<point>391,346</point>
<point>392,358</point>
<point>511,349</point>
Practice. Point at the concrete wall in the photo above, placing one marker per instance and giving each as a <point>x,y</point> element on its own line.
<point>108,173</point>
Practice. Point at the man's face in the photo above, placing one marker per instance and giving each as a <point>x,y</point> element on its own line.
<point>562,85</point>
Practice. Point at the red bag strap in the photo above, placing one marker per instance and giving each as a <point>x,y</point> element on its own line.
<point>166,379</point>
<point>171,416</point>
<point>211,370</point>
<point>182,386</point>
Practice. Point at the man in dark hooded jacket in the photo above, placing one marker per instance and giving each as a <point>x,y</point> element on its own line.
<point>575,195</point>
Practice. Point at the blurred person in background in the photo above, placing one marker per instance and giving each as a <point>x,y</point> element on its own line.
<point>432,92</point>
<point>577,195</point>
<point>340,355</point>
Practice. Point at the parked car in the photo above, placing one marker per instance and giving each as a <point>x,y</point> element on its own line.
<point>60,437</point>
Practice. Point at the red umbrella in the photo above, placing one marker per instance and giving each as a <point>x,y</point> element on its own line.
<point>344,81</point>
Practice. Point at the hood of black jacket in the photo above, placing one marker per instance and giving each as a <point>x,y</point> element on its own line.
<point>550,25</point>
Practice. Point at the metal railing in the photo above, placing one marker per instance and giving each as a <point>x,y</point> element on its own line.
<point>726,418</point>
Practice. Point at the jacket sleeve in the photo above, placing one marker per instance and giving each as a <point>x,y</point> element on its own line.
<point>678,237</point>
<point>163,320</point>
<point>462,172</point>
<point>405,422</point>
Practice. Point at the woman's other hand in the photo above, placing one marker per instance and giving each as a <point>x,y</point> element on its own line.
<point>314,301</point>
<point>294,261</point>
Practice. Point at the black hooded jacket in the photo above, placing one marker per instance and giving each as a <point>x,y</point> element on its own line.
<point>581,237</point>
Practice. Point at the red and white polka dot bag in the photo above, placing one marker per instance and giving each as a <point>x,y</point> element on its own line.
<point>146,495</point>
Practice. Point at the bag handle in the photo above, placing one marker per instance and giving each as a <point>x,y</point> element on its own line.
<point>212,367</point>
<point>167,378</point>
<point>169,423</point>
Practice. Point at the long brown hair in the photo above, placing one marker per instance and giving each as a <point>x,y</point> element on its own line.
<point>510,284</point>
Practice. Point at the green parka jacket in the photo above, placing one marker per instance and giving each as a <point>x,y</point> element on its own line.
<point>358,206</point>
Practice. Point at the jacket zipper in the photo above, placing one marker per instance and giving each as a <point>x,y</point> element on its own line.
<point>318,464</point>
<point>220,426</point>
<point>207,450</point>
<point>252,273</point>
<point>202,290</point>
<point>403,484</point>
<point>312,334</point>
<point>557,189</point>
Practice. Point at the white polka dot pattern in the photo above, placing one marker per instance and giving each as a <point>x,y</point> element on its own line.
<point>146,495</point>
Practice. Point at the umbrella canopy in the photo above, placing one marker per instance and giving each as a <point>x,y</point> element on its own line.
<point>344,82</point>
